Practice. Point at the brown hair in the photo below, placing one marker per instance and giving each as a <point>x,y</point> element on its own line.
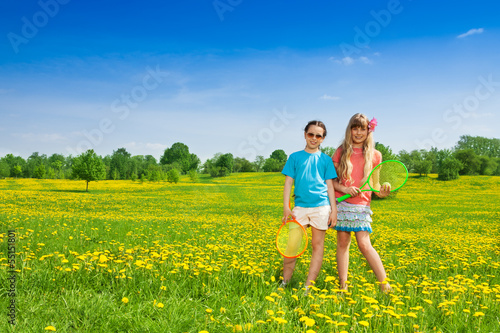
<point>316,123</point>
<point>345,165</point>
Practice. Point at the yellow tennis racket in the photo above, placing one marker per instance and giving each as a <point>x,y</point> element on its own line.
<point>291,239</point>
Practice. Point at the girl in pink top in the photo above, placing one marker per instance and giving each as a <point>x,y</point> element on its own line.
<point>353,161</point>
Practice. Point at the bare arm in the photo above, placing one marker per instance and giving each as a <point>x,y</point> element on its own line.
<point>287,189</point>
<point>332,220</point>
<point>352,190</point>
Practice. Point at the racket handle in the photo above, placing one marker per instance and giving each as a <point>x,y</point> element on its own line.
<point>342,198</point>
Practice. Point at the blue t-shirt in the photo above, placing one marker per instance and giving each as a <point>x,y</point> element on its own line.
<point>310,172</point>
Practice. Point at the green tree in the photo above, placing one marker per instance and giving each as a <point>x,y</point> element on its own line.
<point>120,163</point>
<point>4,169</point>
<point>276,161</point>
<point>173,176</point>
<point>328,151</point>
<point>259,163</point>
<point>497,170</point>
<point>272,165</point>
<point>480,145</point>
<point>449,169</point>
<point>487,165</point>
<point>279,155</point>
<point>386,151</point>
<point>13,161</point>
<point>89,167</point>
<point>423,167</point>
<point>51,174</point>
<point>56,162</point>
<point>242,165</point>
<point>32,162</point>
<point>221,165</point>
<point>17,171</point>
<point>193,175</point>
<point>154,173</point>
<point>406,159</point>
<point>179,153</point>
<point>470,161</point>
<point>39,171</point>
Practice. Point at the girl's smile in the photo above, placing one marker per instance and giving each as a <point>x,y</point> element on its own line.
<point>314,137</point>
<point>359,135</point>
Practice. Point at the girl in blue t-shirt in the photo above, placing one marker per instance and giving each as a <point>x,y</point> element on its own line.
<point>312,172</point>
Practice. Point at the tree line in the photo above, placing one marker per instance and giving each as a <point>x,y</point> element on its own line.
<point>470,156</point>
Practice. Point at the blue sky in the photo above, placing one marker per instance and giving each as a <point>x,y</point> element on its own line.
<point>243,76</point>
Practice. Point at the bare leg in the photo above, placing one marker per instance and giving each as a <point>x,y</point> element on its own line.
<point>371,255</point>
<point>318,246</point>
<point>343,243</point>
<point>288,267</point>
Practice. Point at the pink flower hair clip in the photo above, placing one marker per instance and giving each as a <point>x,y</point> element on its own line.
<point>372,124</point>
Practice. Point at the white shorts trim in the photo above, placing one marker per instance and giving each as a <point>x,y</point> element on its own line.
<point>316,217</point>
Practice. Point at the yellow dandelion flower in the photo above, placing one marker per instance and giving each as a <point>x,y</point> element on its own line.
<point>412,314</point>
<point>364,323</point>
<point>50,328</point>
<point>478,314</point>
<point>125,300</point>
<point>208,310</point>
<point>309,322</point>
<point>160,305</point>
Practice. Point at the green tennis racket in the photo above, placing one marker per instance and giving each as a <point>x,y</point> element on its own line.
<point>390,172</point>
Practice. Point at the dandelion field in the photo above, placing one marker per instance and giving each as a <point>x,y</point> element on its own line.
<point>192,257</point>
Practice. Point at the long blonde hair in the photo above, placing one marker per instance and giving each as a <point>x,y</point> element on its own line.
<point>345,165</point>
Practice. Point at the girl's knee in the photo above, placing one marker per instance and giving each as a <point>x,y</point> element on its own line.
<point>318,246</point>
<point>343,243</point>
<point>364,247</point>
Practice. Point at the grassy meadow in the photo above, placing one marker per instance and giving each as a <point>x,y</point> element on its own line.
<point>200,257</point>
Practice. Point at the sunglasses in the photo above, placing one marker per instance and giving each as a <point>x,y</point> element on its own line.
<point>311,135</point>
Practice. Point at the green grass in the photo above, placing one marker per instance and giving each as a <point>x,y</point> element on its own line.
<point>205,251</point>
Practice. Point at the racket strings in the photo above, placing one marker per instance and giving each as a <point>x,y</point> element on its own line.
<point>291,240</point>
<point>393,173</point>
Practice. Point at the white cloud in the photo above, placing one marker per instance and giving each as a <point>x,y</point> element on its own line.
<point>365,60</point>
<point>347,61</point>
<point>329,98</point>
<point>471,32</point>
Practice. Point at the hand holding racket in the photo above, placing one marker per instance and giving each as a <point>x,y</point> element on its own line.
<point>291,239</point>
<point>390,174</point>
